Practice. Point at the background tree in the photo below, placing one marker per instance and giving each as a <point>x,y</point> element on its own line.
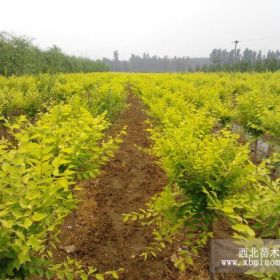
<point>19,56</point>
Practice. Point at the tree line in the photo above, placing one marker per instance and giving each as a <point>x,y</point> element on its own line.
<point>18,56</point>
<point>147,63</point>
<point>246,61</point>
<point>219,60</point>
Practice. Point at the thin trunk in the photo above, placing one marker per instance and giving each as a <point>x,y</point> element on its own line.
<point>256,151</point>
<point>268,151</point>
<point>211,257</point>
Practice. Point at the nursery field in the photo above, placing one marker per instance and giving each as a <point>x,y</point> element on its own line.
<point>129,176</point>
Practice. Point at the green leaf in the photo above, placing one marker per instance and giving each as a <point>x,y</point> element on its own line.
<point>227,210</point>
<point>7,223</point>
<point>245,229</point>
<point>34,242</point>
<point>125,217</point>
<point>91,270</point>
<point>99,276</point>
<point>38,217</point>
<point>27,223</point>
<point>24,203</point>
<point>20,235</point>
<point>49,274</point>
<point>115,275</point>
<point>23,256</point>
<point>33,194</point>
<point>84,276</point>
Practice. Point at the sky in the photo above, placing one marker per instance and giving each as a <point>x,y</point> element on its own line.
<point>192,28</point>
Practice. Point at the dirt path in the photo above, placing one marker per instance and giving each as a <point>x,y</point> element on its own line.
<point>95,231</point>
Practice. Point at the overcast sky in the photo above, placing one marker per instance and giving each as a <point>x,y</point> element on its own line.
<point>163,27</point>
